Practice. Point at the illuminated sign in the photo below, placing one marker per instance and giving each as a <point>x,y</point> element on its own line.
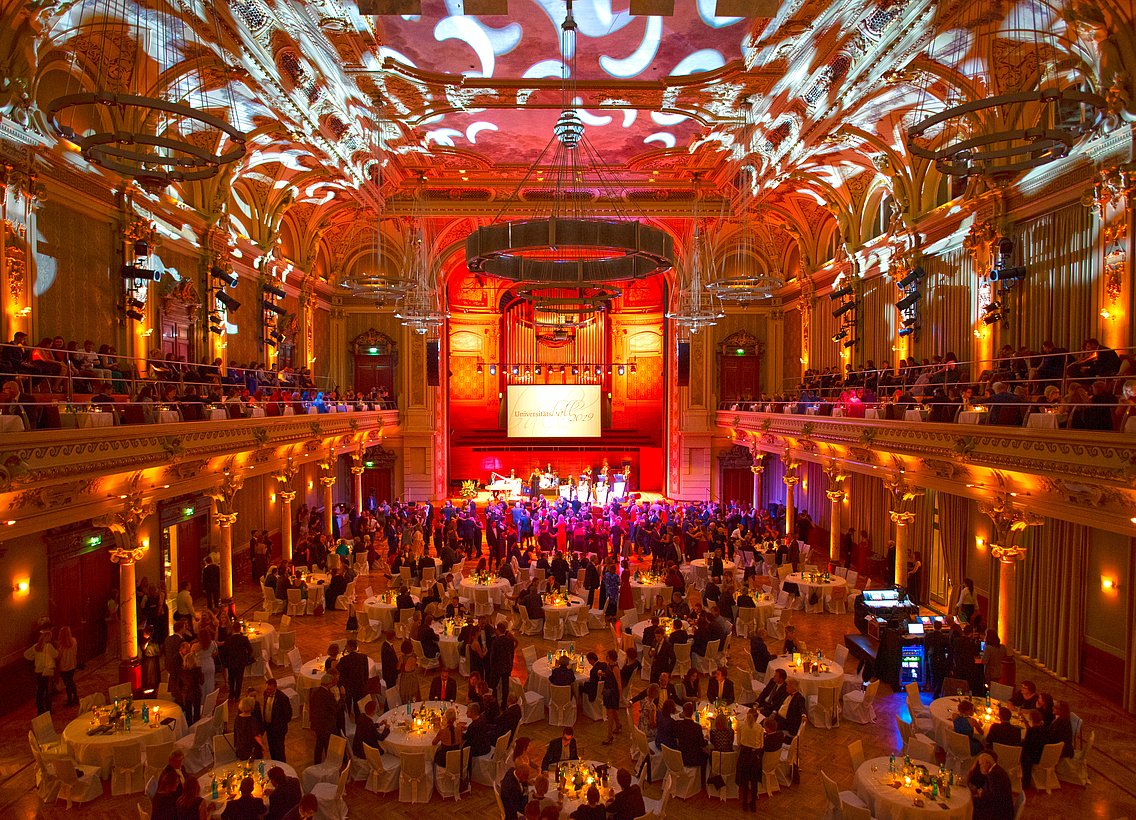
<point>554,410</point>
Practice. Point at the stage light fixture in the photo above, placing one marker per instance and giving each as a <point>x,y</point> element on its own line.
<point>909,319</point>
<point>273,291</point>
<point>228,302</point>
<point>914,277</point>
<point>840,334</point>
<point>273,307</point>
<point>909,301</point>
<point>137,304</point>
<point>135,314</point>
<point>215,329</point>
<point>992,318</point>
<point>575,370</point>
<point>492,370</point>
<point>270,342</point>
<point>516,370</point>
<point>906,331</point>
<point>538,370</point>
<point>135,272</point>
<point>222,275</point>
<point>850,342</point>
<point>1008,274</point>
<point>839,294</point>
<point>622,370</point>
<point>840,311</point>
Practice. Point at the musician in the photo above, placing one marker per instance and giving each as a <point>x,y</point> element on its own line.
<point>534,483</point>
<point>604,470</point>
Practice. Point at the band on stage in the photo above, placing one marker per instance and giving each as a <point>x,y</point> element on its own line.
<point>588,488</point>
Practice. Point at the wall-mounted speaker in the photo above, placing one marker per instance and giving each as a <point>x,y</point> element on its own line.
<point>684,364</point>
<point>433,364</point>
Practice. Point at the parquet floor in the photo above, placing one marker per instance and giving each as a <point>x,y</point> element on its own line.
<point>1112,793</point>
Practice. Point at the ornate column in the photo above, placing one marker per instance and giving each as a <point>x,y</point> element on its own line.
<point>757,469</point>
<point>836,495</point>
<point>328,481</point>
<point>791,480</point>
<point>901,519</point>
<point>286,496</point>
<point>127,551</point>
<point>357,469</point>
<point>225,516</point>
<point>1009,522</point>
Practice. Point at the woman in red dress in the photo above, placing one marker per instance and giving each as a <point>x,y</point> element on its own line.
<point>561,534</point>
<point>626,598</point>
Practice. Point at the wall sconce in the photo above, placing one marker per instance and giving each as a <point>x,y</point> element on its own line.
<point>310,485</point>
<point>272,498</point>
<point>21,586</point>
<point>145,543</point>
<point>1109,584</point>
<point>980,543</point>
<point>24,312</point>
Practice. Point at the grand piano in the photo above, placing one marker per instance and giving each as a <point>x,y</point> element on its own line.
<point>510,486</point>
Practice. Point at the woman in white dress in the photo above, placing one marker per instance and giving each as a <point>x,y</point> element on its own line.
<point>206,659</point>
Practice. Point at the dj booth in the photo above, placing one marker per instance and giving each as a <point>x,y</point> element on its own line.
<point>889,644</point>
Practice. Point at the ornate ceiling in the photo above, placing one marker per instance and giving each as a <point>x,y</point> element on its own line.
<point>805,111</point>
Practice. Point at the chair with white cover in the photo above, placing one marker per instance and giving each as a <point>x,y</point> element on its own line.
<point>1010,759</point>
<point>259,665</point>
<point>46,785</point>
<point>328,770</point>
<point>223,751</point>
<point>553,625</point>
<point>452,780</point>
<point>89,702</point>
<point>578,623</point>
<point>775,624</point>
<point>416,780</point>
<point>1075,769</point>
<point>45,734</point>
<point>746,624</point>
<point>770,761</point>
<point>561,706</point>
<point>647,761</point>
<point>834,796</point>
<point>593,707</point>
<point>657,809</point>
<point>725,765</point>
<point>385,769</point>
<point>482,603</point>
<point>706,664</point>
<point>1044,773</point>
<point>128,772</point>
<point>853,811</point>
<point>285,642</point>
<point>686,781</point>
<point>837,600</point>
<point>857,706</point>
<point>853,681</point>
<point>77,783</point>
<point>296,605</point>
<point>197,746</point>
<point>597,619</point>
<point>682,660</point>
<point>329,797</point>
<point>119,690</point>
<point>157,756</point>
<point>497,799</point>
<point>347,598</point>
<point>369,631</point>
<point>920,713</point>
<point>747,690</point>
<point>959,756</point>
<point>1020,805</point>
<point>271,603</point>
<point>916,745</point>
<point>856,753</point>
<point>532,703</point>
<point>824,708</point>
<point>484,770</point>
<point>790,759</point>
<point>1001,691</point>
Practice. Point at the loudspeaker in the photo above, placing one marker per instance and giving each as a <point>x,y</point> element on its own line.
<point>433,364</point>
<point>684,364</point>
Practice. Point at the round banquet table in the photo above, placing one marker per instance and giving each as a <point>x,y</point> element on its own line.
<point>644,594</point>
<point>567,610</point>
<point>873,785</point>
<point>806,588</point>
<point>312,672</point>
<point>449,647</point>
<point>381,612</point>
<point>943,711</point>
<point>538,676</point>
<point>809,683</point>
<point>497,590</point>
<point>400,741</point>
<point>764,606</point>
<point>698,565</point>
<point>572,800</point>
<point>237,768</point>
<point>266,632</point>
<point>317,579</point>
<point>98,750</point>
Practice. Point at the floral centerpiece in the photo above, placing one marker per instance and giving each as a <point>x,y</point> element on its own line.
<point>555,598</point>
<point>812,663</point>
<point>817,577</point>
<point>576,661</point>
<point>483,579</point>
<point>422,719</point>
<point>575,777</point>
<point>918,781</point>
<point>705,716</point>
<point>453,626</point>
<point>649,578</point>
<point>114,717</point>
<point>229,784</point>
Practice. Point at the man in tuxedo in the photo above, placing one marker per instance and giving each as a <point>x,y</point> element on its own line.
<point>691,743</point>
<point>443,687</point>
<point>720,686</point>
<point>389,660</point>
<point>560,750</point>
<point>515,791</point>
<point>480,734</point>
<point>285,794</point>
<point>628,801</point>
<point>323,714</point>
<point>773,693</point>
<point>335,587</point>
<point>510,718</point>
<point>990,789</point>
<point>276,714</point>
<point>559,569</point>
<point>561,675</point>
<point>367,733</point>
<point>354,670</point>
<point>502,653</point>
<point>792,709</point>
<point>211,583</point>
<point>427,523</point>
<point>759,651</point>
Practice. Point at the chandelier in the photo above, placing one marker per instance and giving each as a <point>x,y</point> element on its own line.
<point>694,304</point>
<point>566,247</point>
<point>750,285</point>
<point>1031,111</point>
<point>421,309</point>
<point>148,97</point>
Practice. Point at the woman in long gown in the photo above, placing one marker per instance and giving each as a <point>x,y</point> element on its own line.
<point>408,687</point>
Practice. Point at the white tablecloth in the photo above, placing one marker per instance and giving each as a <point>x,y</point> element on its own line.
<point>538,676</point>
<point>972,417</point>
<point>11,424</point>
<point>98,750</point>
<point>644,594</point>
<point>289,410</point>
<point>807,587</point>
<point>1042,421</point>
<point>218,414</point>
<point>257,413</point>
<point>168,417</point>
<point>810,684</point>
<point>312,672</point>
<point>400,740</point>
<point>497,590</point>
<point>84,419</point>
<point>569,610</point>
<point>872,413</point>
<point>265,631</point>
<point>382,613</point>
<point>1129,425</point>
<point>944,710</point>
<point>700,572</point>
<point>319,579</point>
<point>221,772</point>
<point>886,803</point>
<point>572,800</point>
<point>449,647</point>
<point>914,415</point>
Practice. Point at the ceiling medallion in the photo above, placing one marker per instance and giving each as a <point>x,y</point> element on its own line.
<point>568,248</point>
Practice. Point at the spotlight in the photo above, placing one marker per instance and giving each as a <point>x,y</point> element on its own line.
<point>228,302</point>
<point>838,294</point>
<point>850,342</point>
<point>912,278</point>
<point>135,314</point>
<point>215,328</point>
<point>1008,274</point>
<point>909,319</point>
<point>840,334</point>
<point>222,275</point>
<point>516,370</point>
<point>599,371</point>
<point>273,307</point>
<point>538,371</point>
<point>135,272</point>
<point>492,370</point>
<point>274,291</point>
<point>622,370</point>
<point>906,331</point>
<point>137,304</point>
<point>575,370</point>
<point>270,342</point>
<point>992,318</point>
<point>909,301</point>
<point>847,306</point>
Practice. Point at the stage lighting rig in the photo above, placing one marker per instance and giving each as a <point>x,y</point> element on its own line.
<point>225,276</point>
<point>844,308</point>
<point>840,294</point>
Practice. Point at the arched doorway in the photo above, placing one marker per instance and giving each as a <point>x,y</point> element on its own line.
<point>375,357</point>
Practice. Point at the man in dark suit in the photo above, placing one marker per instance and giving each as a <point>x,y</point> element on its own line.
<point>245,807</point>
<point>236,655</point>
<point>562,675</point>
<point>480,734</point>
<point>285,794</point>
<point>322,716</point>
<point>559,569</point>
<point>990,789</point>
<point>515,791</point>
<point>691,743</point>
<point>720,686</point>
<point>443,687</point>
<point>335,587</point>
<point>510,718</point>
<point>367,733</point>
<point>773,693</point>
<point>773,738</point>
<point>1004,731</point>
<point>501,656</point>
<point>211,583</point>
<point>276,714</point>
<point>628,801</point>
<point>389,660</point>
<point>559,750</point>
<point>759,651</point>
<point>353,669</point>
<point>792,709</point>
